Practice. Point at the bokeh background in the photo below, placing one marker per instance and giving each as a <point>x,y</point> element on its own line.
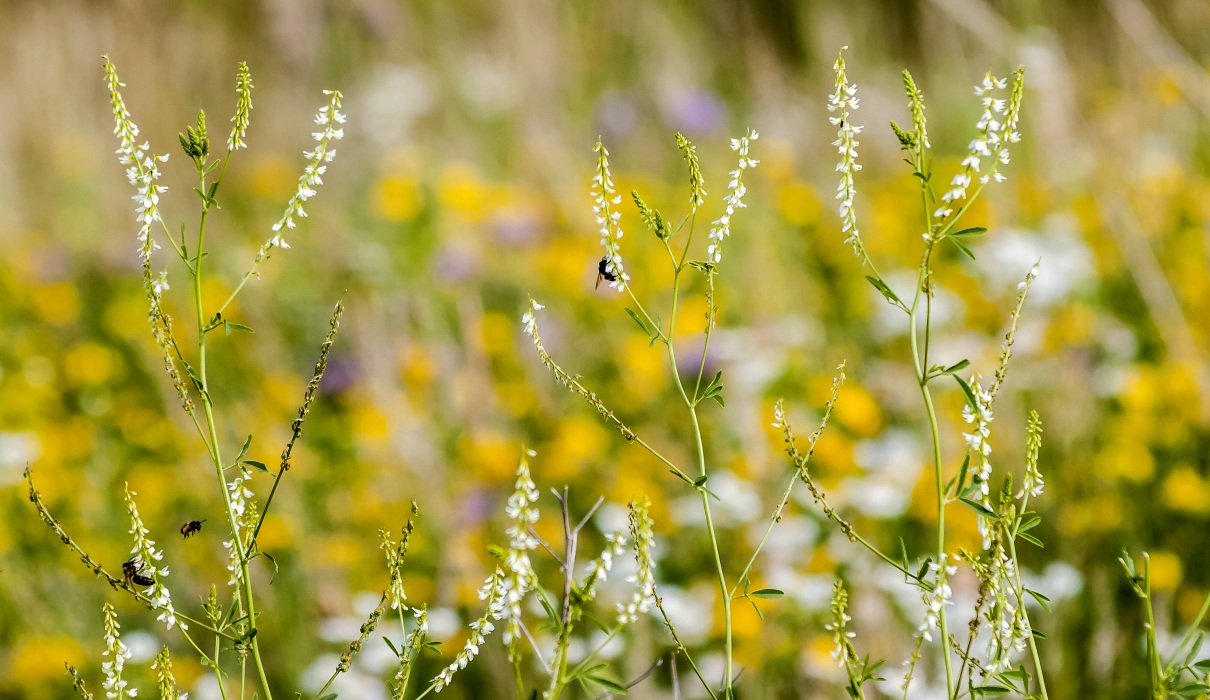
<point>463,185</point>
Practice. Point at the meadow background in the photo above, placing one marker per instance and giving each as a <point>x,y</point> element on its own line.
<point>462,185</point>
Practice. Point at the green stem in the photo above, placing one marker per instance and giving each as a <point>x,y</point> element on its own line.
<point>247,606</point>
<point>1033,645</point>
<point>918,361</point>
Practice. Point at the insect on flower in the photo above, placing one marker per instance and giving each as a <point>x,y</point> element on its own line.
<point>604,273</point>
<point>191,527</point>
<point>132,569</point>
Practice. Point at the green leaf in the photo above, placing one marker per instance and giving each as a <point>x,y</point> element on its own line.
<point>608,684</point>
<point>1192,690</point>
<point>550,611</point>
<point>966,389</point>
<point>1042,600</point>
<point>923,568</point>
<point>957,366</point>
<point>329,696</point>
<point>767,593</point>
<point>1031,539</point>
<point>969,232</point>
<point>275,568</point>
<point>258,466</point>
<point>1038,634</point>
<point>701,480</point>
<point>244,450</point>
<point>229,326</point>
<point>991,690</point>
<point>962,247</point>
<point>681,475</point>
<point>642,324</point>
<point>392,646</point>
<point>979,508</point>
<point>1029,524</point>
<point>884,290</point>
<point>1203,665</point>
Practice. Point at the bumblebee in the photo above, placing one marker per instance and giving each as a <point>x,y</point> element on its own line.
<point>191,527</point>
<point>132,569</point>
<point>604,273</point>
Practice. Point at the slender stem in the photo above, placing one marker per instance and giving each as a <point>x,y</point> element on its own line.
<point>247,605</point>
<point>1033,645</point>
<point>680,647</point>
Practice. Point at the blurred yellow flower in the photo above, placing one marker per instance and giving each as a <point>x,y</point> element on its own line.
<point>57,303</point>
<point>643,367</point>
<point>857,410</point>
<point>38,661</point>
<point>578,445</point>
<point>460,190</point>
<point>1184,490</point>
<point>90,363</point>
<point>489,456</point>
<point>273,176</point>
<point>1166,570</point>
<point>798,204</point>
<point>498,333</point>
<point>397,198</point>
<point>368,422</point>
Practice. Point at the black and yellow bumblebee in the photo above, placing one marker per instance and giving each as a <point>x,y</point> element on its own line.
<point>191,527</point>
<point>604,273</point>
<point>132,571</point>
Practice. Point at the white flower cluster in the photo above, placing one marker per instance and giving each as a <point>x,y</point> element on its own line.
<point>141,170</point>
<point>997,128</point>
<point>519,578</point>
<point>842,101</point>
<point>598,569</point>
<point>1007,622</point>
<point>328,118</point>
<point>509,584</point>
<point>936,599</point>
<point>238,495</point>
<point>146,555</point>
<point>480,629</point>
<point>977,441</point>
<point>115,686</point>
<point>643,598</point>
<point>604,198</point>
<point>735,195</point>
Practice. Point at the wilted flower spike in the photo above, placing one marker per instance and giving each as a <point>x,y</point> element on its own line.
<point>328,117</point>
<point>735,196</point>
<point>842,102</point>
<point>243,106</point>
<point>604,199</point>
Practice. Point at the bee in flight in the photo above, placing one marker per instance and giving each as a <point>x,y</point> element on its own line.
<point>191,527</point>
<point>132,571</point>
<point>604,273</point>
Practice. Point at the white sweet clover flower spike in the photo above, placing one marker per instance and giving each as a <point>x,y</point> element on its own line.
<point>643,542</point>
<point>395,592</point>
<point>243,106</point>
<point>598,569</point>
<point>604,199</point>
<point>115,686</point>
<point>735,196</point>
<point>996,129</point>
<point>936,599</point>
<point>840,619</point>
<point>980,447</point>
<point>329,117</point>
<point>1033,483</point>
<point>842,102</point>
<point>146,555</point>
<point>164,678</point>
<point>519,578</point>
<point>480,629</point>
<point>237,494</point>
<point>141,169</point>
